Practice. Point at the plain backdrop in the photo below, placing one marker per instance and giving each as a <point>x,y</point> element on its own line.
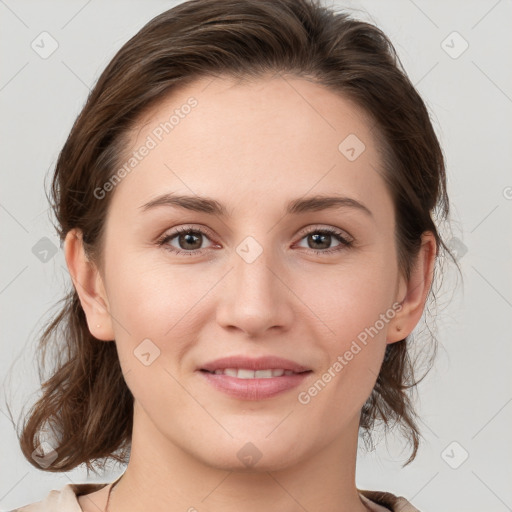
<point>457,53</point>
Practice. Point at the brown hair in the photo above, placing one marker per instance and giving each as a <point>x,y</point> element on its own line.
<point>86,402</point>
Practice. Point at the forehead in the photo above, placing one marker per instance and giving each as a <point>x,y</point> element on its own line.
<point>255,142</point>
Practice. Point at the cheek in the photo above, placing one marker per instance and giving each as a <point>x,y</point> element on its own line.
<point>356,318</point>
<point>150,304</point>
<point>356,309</point>
<point>353,299</point>
<point>150,297</point>
<point>159,302</point>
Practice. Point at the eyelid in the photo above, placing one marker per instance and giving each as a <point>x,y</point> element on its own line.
<point>180,228</point>
<point>321,227</point>
<point>200,227</point>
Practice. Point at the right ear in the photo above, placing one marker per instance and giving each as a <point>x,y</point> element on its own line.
<point>89,286</point>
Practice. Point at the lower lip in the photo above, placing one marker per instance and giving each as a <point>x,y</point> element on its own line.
<point>254,389</point>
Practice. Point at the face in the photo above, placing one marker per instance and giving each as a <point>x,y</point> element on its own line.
<point>313,286</point>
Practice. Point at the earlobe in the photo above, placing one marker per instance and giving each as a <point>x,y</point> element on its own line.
<point>89,286</point>
<point>417,288</point>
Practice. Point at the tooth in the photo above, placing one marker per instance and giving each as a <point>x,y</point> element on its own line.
<point>263,374</point>
<point>245,374</point>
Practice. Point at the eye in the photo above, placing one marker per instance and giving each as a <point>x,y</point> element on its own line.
<point>320,238</point>
<point>189,240</point>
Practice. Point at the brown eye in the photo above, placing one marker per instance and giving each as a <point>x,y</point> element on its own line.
<point>189,241</point>
<point>319,240</point>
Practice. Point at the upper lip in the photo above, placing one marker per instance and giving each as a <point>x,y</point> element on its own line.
<point>259,363</point>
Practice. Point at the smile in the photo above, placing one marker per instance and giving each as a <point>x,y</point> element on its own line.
<point>243,373</point>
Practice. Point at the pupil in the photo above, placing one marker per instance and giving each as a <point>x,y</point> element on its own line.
<point>186,239</point>
<point>315,238</point>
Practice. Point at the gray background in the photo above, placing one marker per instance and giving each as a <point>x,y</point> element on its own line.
<point>466,398</point>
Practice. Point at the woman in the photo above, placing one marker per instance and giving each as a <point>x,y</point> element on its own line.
<point>246,208</point>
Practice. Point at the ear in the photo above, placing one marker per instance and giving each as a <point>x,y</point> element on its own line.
<point>413,294</point>
<point>89,286</point>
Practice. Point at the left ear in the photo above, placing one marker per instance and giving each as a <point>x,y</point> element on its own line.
<point>413,293</point>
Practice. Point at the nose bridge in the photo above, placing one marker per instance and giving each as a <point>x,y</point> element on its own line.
<point>255,299</point>
<point>252,262</point>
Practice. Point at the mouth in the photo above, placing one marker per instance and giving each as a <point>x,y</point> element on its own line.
<point>246,384</point>
<point>246,373</point>
<point>248,378</point>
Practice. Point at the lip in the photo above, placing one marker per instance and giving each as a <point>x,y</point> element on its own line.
<point>259,363</point>
<point>254,389</point>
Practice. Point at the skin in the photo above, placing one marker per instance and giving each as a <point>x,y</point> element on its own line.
<point>252,146</point>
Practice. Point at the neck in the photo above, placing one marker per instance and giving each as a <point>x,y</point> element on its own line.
<point>161,476</point>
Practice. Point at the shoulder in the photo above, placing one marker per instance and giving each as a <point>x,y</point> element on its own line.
<point>380,501</point>
<point>62,500</point>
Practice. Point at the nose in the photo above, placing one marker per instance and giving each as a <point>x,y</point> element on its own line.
<point>255,296</point>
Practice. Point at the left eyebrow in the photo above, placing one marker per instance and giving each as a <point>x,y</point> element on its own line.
<point>296,206</point>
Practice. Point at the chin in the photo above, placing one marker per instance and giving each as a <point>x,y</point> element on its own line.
<point>253,454</point>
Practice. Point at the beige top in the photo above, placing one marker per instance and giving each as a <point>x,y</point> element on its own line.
<point>65,500</point>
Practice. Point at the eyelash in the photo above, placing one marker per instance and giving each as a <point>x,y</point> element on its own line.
<point>344,242</point>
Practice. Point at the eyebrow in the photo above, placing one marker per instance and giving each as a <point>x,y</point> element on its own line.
<point>296,206</point>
